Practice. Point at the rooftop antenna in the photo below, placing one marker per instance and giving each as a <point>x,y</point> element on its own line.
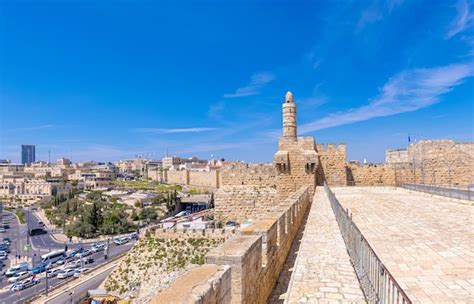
<point>49,156</point>
<point>167,152</point>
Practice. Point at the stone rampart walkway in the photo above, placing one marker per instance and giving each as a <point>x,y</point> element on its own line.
<point>323,272</point>
<point>425,241</point>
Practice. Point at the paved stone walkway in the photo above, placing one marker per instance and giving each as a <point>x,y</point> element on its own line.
<point>323,272</point>
<point>426,241</point>
<point>281,288</point>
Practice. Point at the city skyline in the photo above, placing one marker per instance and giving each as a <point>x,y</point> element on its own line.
<point>365,74</point>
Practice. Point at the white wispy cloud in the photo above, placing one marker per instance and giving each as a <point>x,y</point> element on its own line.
<point>376,11</point>
<point>257,81</point>
<point>34,128</point>
<point>173,130</point>
<point>462,21</point>
<point>407,91</point>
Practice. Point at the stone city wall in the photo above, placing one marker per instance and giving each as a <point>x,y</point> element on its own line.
<point>370,175</point>
<point>242,202</point>
<point>192,233</point>
<point>256,257</point>
<point>442,162</point>
<point>199,179</point>
<point>210,284</point>
<point>333,164</point>
<point>396,156</point>
<point>263,175</point>
<point>431,162</point>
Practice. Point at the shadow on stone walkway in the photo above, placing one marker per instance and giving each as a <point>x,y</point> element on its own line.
<point>281,287</point>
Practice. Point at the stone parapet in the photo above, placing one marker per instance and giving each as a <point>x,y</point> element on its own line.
<point>257,255</point>
<point>213,233</point>
<point>205,284</point>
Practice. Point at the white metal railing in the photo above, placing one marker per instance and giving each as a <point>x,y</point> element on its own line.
<point>459,193</point>
<point>378,284</point>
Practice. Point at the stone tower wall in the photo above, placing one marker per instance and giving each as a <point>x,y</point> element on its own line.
<point>333,164</point>
<point>297,174</point>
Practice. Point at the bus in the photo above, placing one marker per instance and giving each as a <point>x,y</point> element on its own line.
<point>53,256</point>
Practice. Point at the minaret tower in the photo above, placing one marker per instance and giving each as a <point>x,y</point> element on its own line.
<point>289,116</point>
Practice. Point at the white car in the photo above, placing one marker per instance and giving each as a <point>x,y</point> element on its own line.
<point>83,254</point>
<point>53,272</point>
<point>17,268</point>
<point>24,284</point>
<point>121,240</point>
<point>19,276</point>
<point>98,247</point>
<point>73,264</point>
<point>78,272</point>
<point>3,255</point>
<point>66,273</point>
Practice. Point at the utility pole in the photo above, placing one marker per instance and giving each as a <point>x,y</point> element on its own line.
<point>47,287</point>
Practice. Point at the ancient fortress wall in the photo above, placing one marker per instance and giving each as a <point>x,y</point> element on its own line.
<point>200,179</point>
<point>242,202</point>
<point>431,162</point>
<point>294,158</point>
<point>263,175</point>
<point>211,233</point>
<point>255,257</point>
<point>333,164</point>
<point>176,177</point>
<point>370,175</point>
<point>442,162</point>
<point>396,156</point>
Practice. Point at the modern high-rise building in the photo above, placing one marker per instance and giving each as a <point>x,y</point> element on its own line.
<point>28,154</point>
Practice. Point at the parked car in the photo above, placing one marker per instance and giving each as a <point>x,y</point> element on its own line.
<point>121,240</point>
<point>6,226</point>
<point>2,230</point>
<point>24,284</point>
<point>66,273</point>
<point>79,271</point>
<point>7,240</point>
<point>231,224</point>
<point>85,253</point>
<point>73,254</point>
<point>17,268</point>
<point>53,272</point>
<point>72,265</point>
<point>19,276</point>
<point>98,247</point>
<point>4,247</point>
<point>3,255</point>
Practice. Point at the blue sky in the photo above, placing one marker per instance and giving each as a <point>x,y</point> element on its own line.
<point>108,80</point>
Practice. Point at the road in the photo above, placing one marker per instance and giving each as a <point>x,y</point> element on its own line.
<point>42,244</point>
<point>79,291</point>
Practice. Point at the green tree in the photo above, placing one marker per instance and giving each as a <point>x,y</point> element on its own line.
<point>95,216</point>
<point>148,213</point>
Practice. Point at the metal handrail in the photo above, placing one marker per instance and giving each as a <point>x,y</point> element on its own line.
<point>458,193</point>
<point>377,282</point>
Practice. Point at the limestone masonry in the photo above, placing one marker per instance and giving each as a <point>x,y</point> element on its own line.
<point>273,202</point>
